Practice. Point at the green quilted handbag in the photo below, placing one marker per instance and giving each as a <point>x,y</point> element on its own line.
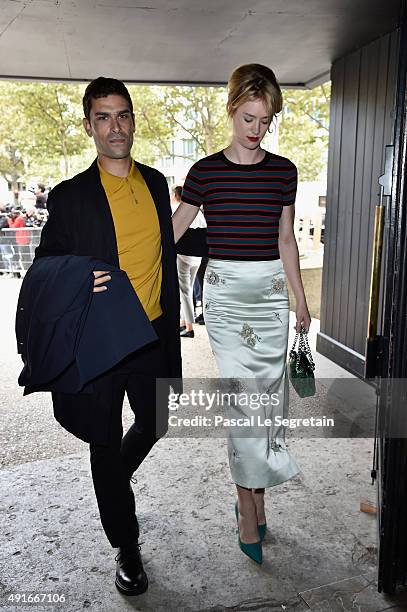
<point>301,365</point>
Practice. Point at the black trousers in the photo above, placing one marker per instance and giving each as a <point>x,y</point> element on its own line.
<point>201,271</point>
<point>114,463</point>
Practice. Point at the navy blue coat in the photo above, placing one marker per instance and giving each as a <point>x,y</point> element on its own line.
<point>68,335</point>
<point>80,223</point>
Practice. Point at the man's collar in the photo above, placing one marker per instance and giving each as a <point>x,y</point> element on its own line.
<point>103,171</point>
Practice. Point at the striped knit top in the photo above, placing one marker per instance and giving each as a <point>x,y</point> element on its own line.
<point>242,203</point>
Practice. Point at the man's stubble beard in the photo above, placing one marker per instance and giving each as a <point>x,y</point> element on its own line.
<point>113,155</point>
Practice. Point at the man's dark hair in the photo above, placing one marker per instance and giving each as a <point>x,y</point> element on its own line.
<point>102,87</point>
<point>41,187</point>
<point>177,190</point>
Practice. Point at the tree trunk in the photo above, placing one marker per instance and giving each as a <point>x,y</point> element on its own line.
<point>66,157</point>
<point>14,188</point>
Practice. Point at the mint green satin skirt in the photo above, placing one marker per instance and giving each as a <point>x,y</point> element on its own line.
<point>247,316</point>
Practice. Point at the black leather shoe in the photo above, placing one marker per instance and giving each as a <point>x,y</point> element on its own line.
<point>131,578</point>
<point>200,319</point>
<point>187,334</point>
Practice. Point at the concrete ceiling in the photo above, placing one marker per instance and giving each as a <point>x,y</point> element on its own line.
<point>184,41</point>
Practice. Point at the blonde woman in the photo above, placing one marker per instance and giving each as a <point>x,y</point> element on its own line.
<point>248,196</point>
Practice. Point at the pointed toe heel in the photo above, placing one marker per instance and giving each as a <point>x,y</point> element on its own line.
<point>254,551</point>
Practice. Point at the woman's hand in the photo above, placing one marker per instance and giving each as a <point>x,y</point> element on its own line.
<point>291,262</point>
<point>302,315</point>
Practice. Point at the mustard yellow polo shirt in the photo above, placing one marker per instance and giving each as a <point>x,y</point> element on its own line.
<point>137,234</point>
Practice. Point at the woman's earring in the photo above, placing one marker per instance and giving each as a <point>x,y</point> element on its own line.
<point>270,131</point>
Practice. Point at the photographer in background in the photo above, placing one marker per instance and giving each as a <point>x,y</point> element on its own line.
<point>34,216</point>
<point>7,251</point>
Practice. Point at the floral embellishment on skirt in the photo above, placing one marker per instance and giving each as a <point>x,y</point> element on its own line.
<point>274,316</point>
<point>214,279</point>
<point>278,285</point>
<point>249,336</point>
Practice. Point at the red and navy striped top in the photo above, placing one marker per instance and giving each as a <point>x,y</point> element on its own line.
<point>242,203</point>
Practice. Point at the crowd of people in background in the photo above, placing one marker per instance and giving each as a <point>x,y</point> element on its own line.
<point>18,242</point>
<point>18,225</point>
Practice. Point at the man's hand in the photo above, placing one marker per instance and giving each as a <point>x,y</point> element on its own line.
<point>100,278</point>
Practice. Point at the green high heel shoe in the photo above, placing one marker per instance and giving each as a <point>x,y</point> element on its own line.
<point>261,528</point>
<point>252,550</point>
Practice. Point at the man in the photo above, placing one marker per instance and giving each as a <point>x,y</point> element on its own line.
<point>40,197</point>
<point>118,211</point>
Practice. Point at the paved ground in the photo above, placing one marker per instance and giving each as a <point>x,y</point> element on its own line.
<point>52,541</point>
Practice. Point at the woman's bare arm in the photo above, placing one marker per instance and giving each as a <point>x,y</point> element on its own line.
<point>289,256</point>
<point>182,219</point>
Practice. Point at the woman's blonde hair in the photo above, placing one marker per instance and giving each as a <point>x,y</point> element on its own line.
<point>252,81</point>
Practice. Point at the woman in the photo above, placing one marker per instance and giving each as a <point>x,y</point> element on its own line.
<point>248,197</point>
<point>187,266</point>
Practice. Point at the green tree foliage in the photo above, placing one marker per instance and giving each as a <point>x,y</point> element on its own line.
<point>41,125</point>
<point>13,155</point>
<point>41,131</point>
<point>304,130</point>
<point>11,164</point>
<point>153,132</point>
<point>163,112</point>
<point>201,112</point>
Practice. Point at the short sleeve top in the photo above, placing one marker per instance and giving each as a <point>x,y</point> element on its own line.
<point>242,203</point>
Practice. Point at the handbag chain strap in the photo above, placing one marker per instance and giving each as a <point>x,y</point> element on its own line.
<point>303,345</point>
